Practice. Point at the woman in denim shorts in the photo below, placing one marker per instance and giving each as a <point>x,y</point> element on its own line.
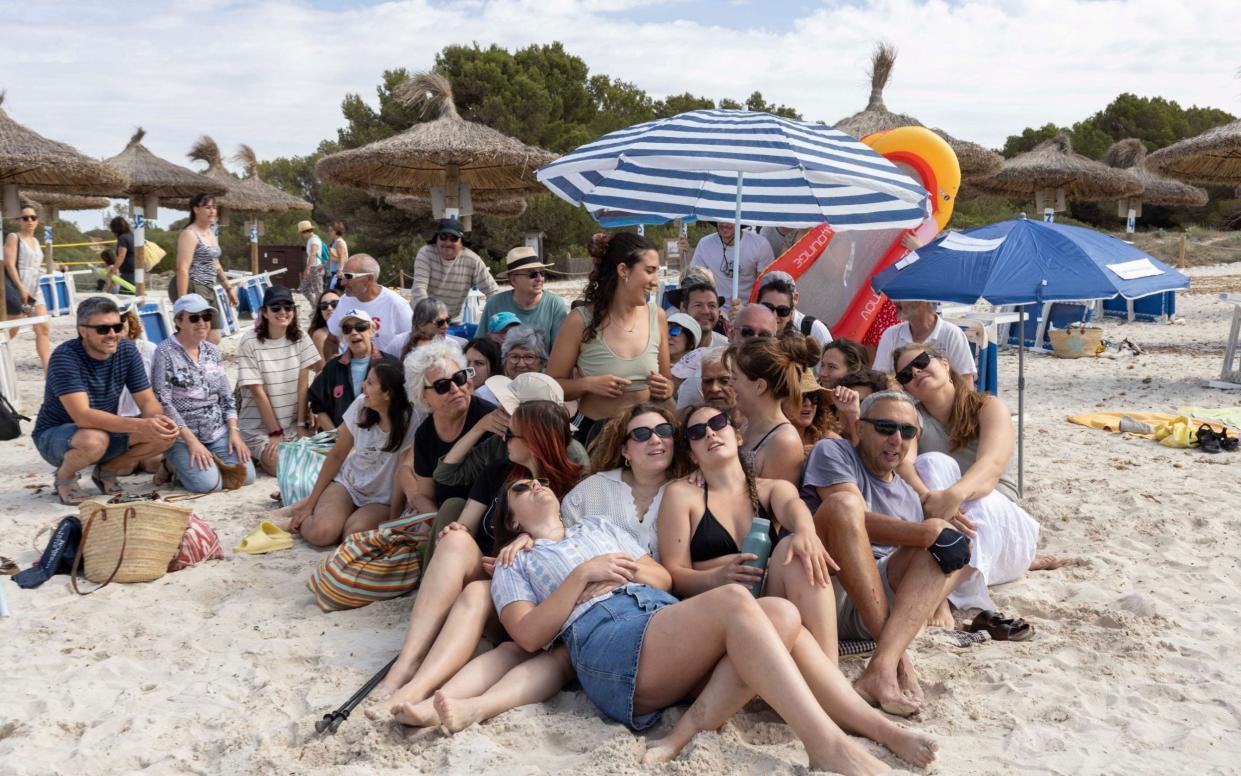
<point>637,650</point>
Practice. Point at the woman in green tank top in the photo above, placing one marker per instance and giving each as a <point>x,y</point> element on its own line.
<point>616,341</point>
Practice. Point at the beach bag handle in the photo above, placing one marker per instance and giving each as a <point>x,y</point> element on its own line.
<point>77,559</point>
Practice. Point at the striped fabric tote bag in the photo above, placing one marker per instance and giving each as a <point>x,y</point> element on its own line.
<point>373,565</point>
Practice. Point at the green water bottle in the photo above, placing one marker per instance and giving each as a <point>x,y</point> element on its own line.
<point>758,542</point>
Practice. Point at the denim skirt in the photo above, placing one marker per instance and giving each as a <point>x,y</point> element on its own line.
<point>605,644</point>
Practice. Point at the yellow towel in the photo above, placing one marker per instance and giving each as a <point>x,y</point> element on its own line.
<point>1110,421</point>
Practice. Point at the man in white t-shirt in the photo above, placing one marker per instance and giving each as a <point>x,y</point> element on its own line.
<point>717,253</point>
<point>777,291</point>
<point>388,310</point>
<point>922,324</point>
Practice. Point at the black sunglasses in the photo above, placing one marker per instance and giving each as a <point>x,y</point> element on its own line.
<point>329,304</point>
<point>441,322</point>
<point>30,218</point>
<point>532,274</point>
<point>813,397</point>
<point>748,333</point>
<point>281,307</point>
<point>350,328</point>
<point>781,310</point>
<point>889,427</point>
<point>204,316</point>
<point>921,361</point>
<point>699,430</point>
<point>448,237</point>
<point>521,486</point>
<point>104,329</point>
<point>444,384</point>
<point>661,430</point>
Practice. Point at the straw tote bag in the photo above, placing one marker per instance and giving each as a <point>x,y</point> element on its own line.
<point>128,542</point>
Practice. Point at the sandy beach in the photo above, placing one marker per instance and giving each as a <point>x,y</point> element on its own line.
<point>224,668</point>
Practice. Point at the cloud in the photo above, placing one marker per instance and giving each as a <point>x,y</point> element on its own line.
<point>273,73</point>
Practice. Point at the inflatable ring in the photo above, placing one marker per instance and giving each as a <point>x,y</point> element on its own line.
<point>928,159</point>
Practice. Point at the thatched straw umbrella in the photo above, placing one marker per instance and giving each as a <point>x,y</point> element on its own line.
<point>29,160</point>
<point>485,204</point>
<point>151,179</point>
<point>1214,157</point>
<point>975,161</point>
<point>1130,154</point>
<point>1053,175</point>
<point>447,152</point>
<point>264,198</point>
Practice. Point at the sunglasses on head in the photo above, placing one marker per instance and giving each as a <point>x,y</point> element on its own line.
<point>328,304</point>
<point>521,486</point>
<point>445,384</point>
<point>281,307</point>
<point>103,329</point>
<point>350,328</point>
<point>30,218</point>
<point>699,430</point>
<point>661,430</point>
<point>355,275</point>
<point>204,316</point>
<point>889,427</point>
<point>748,333</point>
<point>920,361</point>
<point>781,310</point>
<point>448,237</point>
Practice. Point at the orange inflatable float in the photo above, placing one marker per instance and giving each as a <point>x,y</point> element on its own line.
<point>833,270</point>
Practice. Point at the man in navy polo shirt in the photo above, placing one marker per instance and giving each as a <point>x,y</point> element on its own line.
<point>78,423</point>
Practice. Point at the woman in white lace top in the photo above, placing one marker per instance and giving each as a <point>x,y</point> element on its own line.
<point>634,460</point>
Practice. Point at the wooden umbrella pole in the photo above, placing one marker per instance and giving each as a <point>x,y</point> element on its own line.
<point>4,308</point>
<point>140,242</point>
<point>254,246</point>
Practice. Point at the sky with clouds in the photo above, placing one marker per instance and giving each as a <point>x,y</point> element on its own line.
<point>272,73</point>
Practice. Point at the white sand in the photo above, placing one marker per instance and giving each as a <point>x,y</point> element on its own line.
<point>225,668</point>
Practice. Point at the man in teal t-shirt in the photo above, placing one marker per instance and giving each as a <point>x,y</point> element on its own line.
<point>527,300</point>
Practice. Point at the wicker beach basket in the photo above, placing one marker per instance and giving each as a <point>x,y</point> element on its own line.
<point>1076,341</point>
<point>129,542</point>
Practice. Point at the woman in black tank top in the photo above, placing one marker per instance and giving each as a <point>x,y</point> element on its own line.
<point>702,527</point>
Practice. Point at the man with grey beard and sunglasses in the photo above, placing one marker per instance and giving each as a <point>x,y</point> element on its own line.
<point>445,269</point>
<point>895,567</point>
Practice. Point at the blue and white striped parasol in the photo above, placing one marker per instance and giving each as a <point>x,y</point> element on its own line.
<point>693,166</point>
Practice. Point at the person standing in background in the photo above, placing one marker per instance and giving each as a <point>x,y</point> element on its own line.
<point>717,253</point>
<point>23,262</point>
<point>198,262</point>
<point>445,269</point>
<point>123,262</point>
<point>312,275</point>
<point>338,253</point>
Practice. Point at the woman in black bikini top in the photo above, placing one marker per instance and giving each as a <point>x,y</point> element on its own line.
<point>699,541</point>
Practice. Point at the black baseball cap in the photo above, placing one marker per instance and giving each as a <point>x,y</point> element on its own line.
<point>277,294</point>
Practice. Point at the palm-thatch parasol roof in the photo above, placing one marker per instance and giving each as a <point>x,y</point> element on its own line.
<point>245,196</point>
<point>433,152</point>
<point>485,203</point>
<point>29,160</point>
<point>1214,157</point>
<point>1052,165</point>
<point>272,199</point>
<point>150,175</point>
<point>1130,154</point>
<point>975,161</point>
<point>59,201</point>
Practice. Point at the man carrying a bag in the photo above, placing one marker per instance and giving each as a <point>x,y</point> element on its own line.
<point>78,423</point>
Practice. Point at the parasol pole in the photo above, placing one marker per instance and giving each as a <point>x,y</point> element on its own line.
<point>7,192</point>
<point>1021,400</point>
<point>140,241</point>
<point>736,241</point>
<point>254,245</point>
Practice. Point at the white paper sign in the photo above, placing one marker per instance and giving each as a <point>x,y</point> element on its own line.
<point>1133,270</point>
<point>910,258</point>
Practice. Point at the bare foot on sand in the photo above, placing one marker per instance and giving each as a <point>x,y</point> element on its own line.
<point>844,756</point>
<point>1050,562</point>
<point>913,747</point>
<point>456,714</point>
<point>907,677</point>
<point>941,617</point>
<point>416,714</point>
<point>661,751</point>
<point>886,693</point>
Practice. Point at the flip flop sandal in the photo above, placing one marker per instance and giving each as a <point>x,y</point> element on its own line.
<point>1226,443</point>
<point>1000,627</point>
<point>74,497</point>
<point>1208,440</point>
<point>101,477</point>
